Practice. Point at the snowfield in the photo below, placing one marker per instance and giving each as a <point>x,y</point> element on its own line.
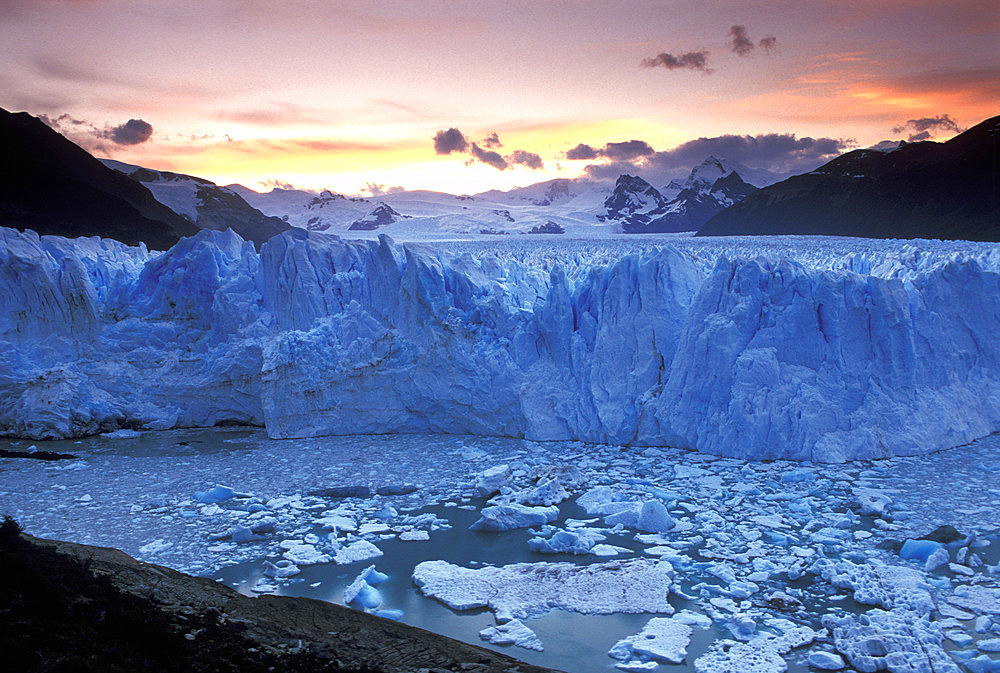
<point>809,349</point>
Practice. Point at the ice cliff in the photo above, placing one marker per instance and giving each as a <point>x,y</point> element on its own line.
<point>817,350</point>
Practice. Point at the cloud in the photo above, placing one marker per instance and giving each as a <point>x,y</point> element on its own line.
<point>769,44</point>
<point>132,132</point>
<point>780,153</point>
<point>624,151</point>
<point>376,189</point>
<point>529,159</point>
<point>276,184</point>
<point>582,152</point>
<point>488,157</point>
<point>452,140</point>
<point>92,138</point>
<point>922,128</point>
<point>690,60</point>
<point>492,141</point>
<point>739,41</point>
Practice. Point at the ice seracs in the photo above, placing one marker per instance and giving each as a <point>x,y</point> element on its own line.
<point>819,357</point>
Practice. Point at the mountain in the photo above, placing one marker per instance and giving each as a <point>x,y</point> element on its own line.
<point>641,208</point>
<point>947,190</point>
<point>204,203</point>
<point>53,186</point>
<point>308,210</point>
<point>379,217</point>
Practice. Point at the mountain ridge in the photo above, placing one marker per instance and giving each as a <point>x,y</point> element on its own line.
<point>919,190</point>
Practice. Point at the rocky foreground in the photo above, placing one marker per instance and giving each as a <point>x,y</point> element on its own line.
<point>72,607</point>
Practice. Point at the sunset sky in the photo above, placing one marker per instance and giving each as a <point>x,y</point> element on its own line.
<point>350,96</point>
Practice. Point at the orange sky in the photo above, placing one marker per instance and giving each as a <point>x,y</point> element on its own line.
<point>339,95</point>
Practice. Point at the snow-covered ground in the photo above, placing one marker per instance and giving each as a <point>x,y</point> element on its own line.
<point>666,555</point>
<point>821,349</point>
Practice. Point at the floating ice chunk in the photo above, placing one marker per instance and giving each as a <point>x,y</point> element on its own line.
<point>546,492</point>
<point>507,517</point>
<point>979,599</point>
<point>362,550</point>
<point>726,656</point>
<point>387,512</point>
<point>662,638</point>
<point>155,547</point>
<point>281,569</point>
<point>414,535</point>
<point>576,541</point>
<point>361,591</point>
<point>364,595</point>
<point>489,482</point>
<point>653,518</point>
<point>608,550</point>
<point>303,553</point>
<point>337,522</point>
<point>215,494</point>
<point>825,661</point>
<point>637,666</point>
<point>919,550</point>
<point>525,589</point>
<point>880,584</point>
<point>991,645</point>
<point>689,472</point>
<point>393,614</point>
<point>513,632</point>
<point>899,641</point>
<point>594,500</point>
<point>873,503</point>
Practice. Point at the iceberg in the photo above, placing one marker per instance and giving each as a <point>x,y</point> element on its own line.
<point>821,350</point>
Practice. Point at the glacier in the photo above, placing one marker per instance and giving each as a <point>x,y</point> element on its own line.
<point>780,348</point>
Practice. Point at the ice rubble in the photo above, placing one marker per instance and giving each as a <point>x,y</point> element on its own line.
<point>824,350</point>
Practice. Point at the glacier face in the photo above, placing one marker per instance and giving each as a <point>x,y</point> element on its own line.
<point>818,349</point>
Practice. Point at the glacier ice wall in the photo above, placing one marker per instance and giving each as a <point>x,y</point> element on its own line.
<point>802,349</point>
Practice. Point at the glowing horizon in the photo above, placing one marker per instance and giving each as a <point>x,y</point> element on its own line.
<point>341,95</point>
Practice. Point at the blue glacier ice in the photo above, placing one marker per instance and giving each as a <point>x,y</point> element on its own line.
<point>821,349</point>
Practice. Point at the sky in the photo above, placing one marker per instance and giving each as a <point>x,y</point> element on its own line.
<point>461,97</point>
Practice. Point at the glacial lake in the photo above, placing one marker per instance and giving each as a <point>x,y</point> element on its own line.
<point>769,521</point>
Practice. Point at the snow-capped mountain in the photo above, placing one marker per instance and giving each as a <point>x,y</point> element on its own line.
<point>203,203</point>
<point>548,207</point>
<point>918,190</point>
<point>382,215</point>
<point>683,206</point>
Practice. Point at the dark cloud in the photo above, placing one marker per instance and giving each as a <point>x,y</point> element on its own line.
<point>626,151</point>
<point>452,140</point>
<point>529,159</point>
<point>739,41</point>
<point>774,151</point>
<point>781,153</point>
<point>492,141</point>
<point>691,60</point>
<point>922,128</point>
<point>582,152</point>
<point>92,138</point>
<point>769,44</point>
<point>488,157</point>
<point>132,132</point>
